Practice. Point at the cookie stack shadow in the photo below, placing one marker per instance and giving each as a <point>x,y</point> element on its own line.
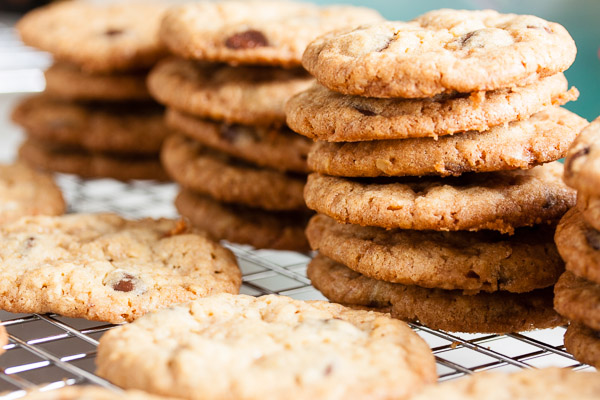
<point>433,204</point>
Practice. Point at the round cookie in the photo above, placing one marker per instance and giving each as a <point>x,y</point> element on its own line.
<point>103,267</point>
<point>442,51</point>
<point>448,310</point>
<point>322,114</point>
<point>582,164</point>
<point>542,138</point>
<point>207,171</point>
<point>234,223</point>
<point>272,147</point>
<point>66,81</point>
<point>589,207</point>
<point>87,393</point>
<point>242,95</point>
<point>470,261</point>
<point>24,191</point>
<point>578,300</point>
<point>579,245</point>
<point>267,347</point>
<point>257,32</point>
<point>91,165</point>
<point>499,201</point>
<point>99,38</point>
<point>583,343</point>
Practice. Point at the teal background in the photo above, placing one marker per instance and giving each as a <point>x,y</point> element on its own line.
<point>580,17</point>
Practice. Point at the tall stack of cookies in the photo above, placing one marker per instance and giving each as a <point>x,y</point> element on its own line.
<point>577,292</point>
<point>242,171</point>
<point>432,200</point>
<point>96,117</point>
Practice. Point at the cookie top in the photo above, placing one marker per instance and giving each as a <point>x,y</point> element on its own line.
<point>499,201</point>
<point>442,51</point>
<point>113,128</point>
<point>548,383</point>
<point>68,82</point>
<point>583,343</point>
<point>365,118</point>
<point>254,32</point>
<point>582,165</point>
<point>471,261</point>
<point>243,95</point>
<point>544,137</point>
<point>498,312</point>
<point>207,171</point>
<point>272,147</point>
<point>577,299</point>
<point>106,268</point>
<point>88,393</point>
<point>267,347</point>
<point>24,191</point>
<point>97,37</point>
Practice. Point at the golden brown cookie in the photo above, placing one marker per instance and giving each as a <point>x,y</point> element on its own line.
<point>589,207</point>
<point>578,300</point>
<point>582,164</point>
<point>583,343</point>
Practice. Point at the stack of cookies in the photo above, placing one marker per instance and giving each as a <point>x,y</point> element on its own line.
<point>242,171</point>
<point>432,200</point>
<point>577,293</point>
<point>96,117</point>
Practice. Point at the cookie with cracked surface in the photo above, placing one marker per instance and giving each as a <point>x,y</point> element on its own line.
<point>238,224</point>
<point>449,310</point>
<point>582,164</point>
<point>224,178</point>
<point>470,261</point>
<point>500,201</point>
<point>322,114</point>
<point>242,95</point>
<point>68,82</point>
<point>106,268</point>
<point>315,349</point>
<point>544,137</point>
<point>113,128</point>
<point>578,300</point>
<point>579,245</point>
<point>255,32</point>
<point>99,38</point>
<point>87,393</point>
<point>583,343</point>
<point>124,167</point>
<point>272,147</point>
<point>442,51</point>
<point>24,191</point>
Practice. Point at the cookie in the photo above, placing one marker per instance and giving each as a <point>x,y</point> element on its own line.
<point>257,32</point>
<point>543,138</point>
<point>267,347</point>
<point>448,310</point>
<point>106,268</point>
<point>116,128</point>
<point>322,114</point>
<point>98,38</point>
<point>442,51</point>
<point>87,393</point>
<point>242,95</point>
<point>582,164</point>
<point>272,147</point>
<point>499,201</point>
<point>579,245</point>
<point>24,191</point>
<point>470,261</point>
<point>583,343</point>
<point>589,207</point>
<point>68,82</point>
<point>238,224</point>
<point>91,165</point>
<point>3,339</point>
<point>578,300</point>
<point>203,170</point>
<point>548,383</point>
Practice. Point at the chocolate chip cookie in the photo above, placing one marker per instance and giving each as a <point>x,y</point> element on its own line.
<point>578,300</point>
<point>583,343</point>
<point>582,164</point>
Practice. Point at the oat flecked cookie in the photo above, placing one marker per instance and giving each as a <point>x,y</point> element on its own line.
<point>544,137</point>
<point>254,32</point>
<point>442,51</point>
<point>98,38</point>
<point>582,164</point>
<point>103,267</point>
<point>583,343</point>
<point>88,393</point>
<point>578,299</point>
<point>322,114</point>
<point>244,347</point>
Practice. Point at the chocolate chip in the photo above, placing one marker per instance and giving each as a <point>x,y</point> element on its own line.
<point>229,132</point>
<point>546,28</point>
<point>593,238</point>
<point>125,284</point>
<point>464,40</point>
<point>580,153</point>
<point>114,32</point>
<point>29,242</point>
<point>249,39</point>
<point>550,202</point>
<point>328,370</point>
<point>364,111</point>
